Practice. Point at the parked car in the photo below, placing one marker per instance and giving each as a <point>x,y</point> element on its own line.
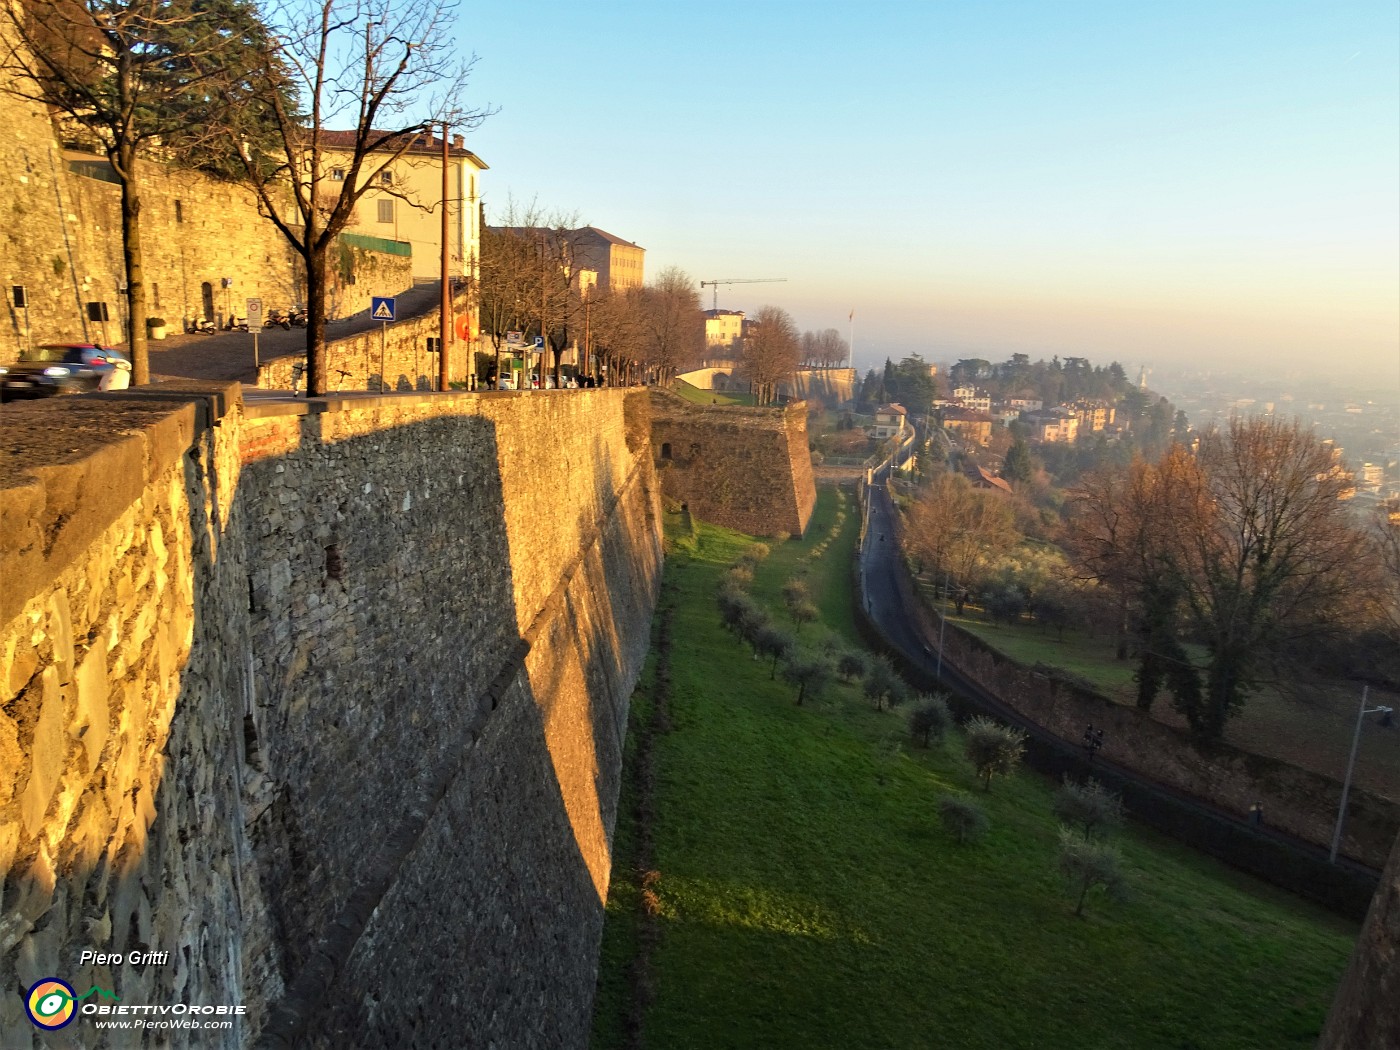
<point>64,368</point>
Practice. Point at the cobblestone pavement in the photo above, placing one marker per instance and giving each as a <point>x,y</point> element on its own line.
<point>229,355</point>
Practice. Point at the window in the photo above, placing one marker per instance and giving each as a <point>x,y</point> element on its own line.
<point>337,174</point>
<point>386,177</point>
<point>386,211</point>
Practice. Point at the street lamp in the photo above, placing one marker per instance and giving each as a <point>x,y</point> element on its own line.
<point>1093,740</point>
<point>1351,763</point>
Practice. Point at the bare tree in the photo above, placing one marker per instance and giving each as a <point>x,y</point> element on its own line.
<point>1277,560</point>
<point>955,528</point>
<point>133,75</point>
<point>506,287</point>
<point>673,326</point>
<point>391,70</point>
<point>772,352</point>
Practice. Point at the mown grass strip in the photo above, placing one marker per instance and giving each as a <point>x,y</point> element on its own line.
<point>808,896</point>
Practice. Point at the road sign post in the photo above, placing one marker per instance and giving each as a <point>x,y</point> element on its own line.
<point>255,324</point>
<point>381,308</point>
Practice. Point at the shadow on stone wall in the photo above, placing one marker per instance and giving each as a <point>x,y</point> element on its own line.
<point>346,829</point>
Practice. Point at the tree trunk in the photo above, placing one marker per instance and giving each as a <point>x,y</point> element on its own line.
<point>135,271</point>
<point>316,370</point>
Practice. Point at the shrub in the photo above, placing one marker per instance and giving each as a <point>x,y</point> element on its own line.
<point>775,644</point>
<point>993,749</point>
<point>753,619</point>
<point>930,720</point>
<point>794,591</point>
<point>963,818</point>
<point>753,554</point>
<point>1087,865</point>
<point>740,576</point>
<point>883,685</point>
<point>803,613</point>
<point>850,666</point>
<point>809,675</point>
<point>1088,807</point>
<point>733,606</point>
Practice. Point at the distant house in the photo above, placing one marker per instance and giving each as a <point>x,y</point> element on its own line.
<point>972,398</point>
<point>1093,415</point>
<point>1051,425</point>
<point>723,329</point>
<point>969,425</point>
<point>890,421</point>
<point>600,259</point>
<point>1025,404</point>
<point>982,480</point>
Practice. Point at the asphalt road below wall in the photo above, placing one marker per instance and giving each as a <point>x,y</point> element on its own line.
<point>880,568</point>
<point>229,355</point>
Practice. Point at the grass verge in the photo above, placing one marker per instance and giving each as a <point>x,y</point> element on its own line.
<point>806,895</point>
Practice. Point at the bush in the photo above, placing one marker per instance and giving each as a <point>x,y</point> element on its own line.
<point>753,554</point>
<point>962,818</point>
<point>774,644</point>
<point>1087,865</point>
<point>1088,807</point>
<point>740,576</point>
<point>930,720</point>
<point>993,749</point>
<point>850,666</point>
<point>883,685</point>
<point>809,675</point>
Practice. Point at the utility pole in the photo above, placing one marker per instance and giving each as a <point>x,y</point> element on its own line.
<point>445,306</point>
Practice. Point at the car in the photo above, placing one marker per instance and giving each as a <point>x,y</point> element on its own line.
<point>64,368</point>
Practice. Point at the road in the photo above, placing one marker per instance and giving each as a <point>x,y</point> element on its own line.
<point>229,355</point>
<point>880,566</point>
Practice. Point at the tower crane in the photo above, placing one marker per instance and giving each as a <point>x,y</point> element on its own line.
<point>736,280</point>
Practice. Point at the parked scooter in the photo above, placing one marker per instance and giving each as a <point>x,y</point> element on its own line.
<point>280,319</point>
<point>236,324</point>
<point>200,326</point>
<point>297,317</point>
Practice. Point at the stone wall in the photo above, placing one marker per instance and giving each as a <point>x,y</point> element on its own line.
<point>744,468</point>
<point>1366,1009</point>
<point>62,241</point>
<point>326,699</point>
<point>1295,800</point>
<point>396,358</point>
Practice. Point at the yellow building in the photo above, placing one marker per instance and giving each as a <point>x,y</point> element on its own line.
<point>404,201</point>
<point>723,328</point>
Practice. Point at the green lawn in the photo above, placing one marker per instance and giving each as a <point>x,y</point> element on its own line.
<point>807,896</point>
<point>709,397</point>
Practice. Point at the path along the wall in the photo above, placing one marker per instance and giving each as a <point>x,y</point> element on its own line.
<point>324,700</point>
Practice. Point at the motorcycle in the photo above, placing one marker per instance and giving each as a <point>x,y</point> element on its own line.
<point>200,326</point>
<point>280,319</point>
<point>297,317</point>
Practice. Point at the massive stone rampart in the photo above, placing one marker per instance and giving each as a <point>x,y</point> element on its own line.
<point>326,700</point>
<point>744,468</point>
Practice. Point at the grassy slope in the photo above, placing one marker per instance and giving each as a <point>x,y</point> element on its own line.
<point>709,397</point>
<point>1314,733</point>
<point>809,898</point>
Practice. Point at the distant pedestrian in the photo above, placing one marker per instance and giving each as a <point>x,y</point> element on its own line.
<point>1256,814</point>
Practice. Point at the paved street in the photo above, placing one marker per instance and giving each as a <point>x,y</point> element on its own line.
<point>229,355</point>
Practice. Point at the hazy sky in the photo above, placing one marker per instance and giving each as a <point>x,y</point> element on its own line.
<point>1153,182</point>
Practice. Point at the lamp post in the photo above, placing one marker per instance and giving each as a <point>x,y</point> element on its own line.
<point>1351,763</point>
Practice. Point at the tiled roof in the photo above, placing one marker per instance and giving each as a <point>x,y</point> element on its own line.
<point>423,144</point>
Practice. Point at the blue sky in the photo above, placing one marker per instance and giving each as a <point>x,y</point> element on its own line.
<point>1157,183</point>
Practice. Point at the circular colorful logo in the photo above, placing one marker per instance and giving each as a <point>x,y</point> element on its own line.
<point>50,1003</point>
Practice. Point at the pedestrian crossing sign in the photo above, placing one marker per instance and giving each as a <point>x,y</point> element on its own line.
<point>381,307</point>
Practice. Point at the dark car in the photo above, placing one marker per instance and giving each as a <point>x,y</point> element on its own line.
<point>64,368</point>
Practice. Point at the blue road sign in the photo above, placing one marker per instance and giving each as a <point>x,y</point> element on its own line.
<point>381,307</point>
<point>539,342</point>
